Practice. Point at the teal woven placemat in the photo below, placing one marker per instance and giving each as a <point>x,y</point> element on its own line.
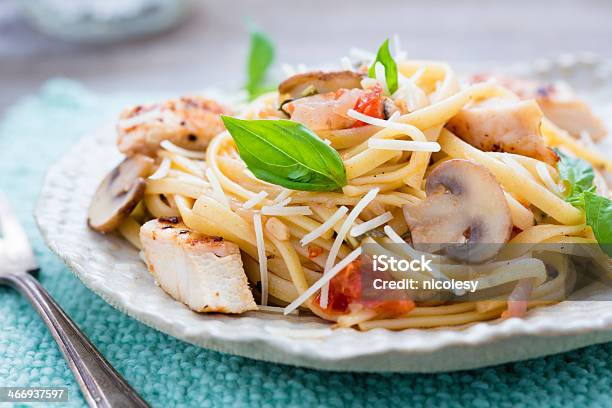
<point>168,372</point>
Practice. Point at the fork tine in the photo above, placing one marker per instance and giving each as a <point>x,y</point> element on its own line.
<point>15,245</point>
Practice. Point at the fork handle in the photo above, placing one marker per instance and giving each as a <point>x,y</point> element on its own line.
<point>101,384</point>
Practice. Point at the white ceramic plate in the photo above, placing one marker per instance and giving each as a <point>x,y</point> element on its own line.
<point>112,269</point>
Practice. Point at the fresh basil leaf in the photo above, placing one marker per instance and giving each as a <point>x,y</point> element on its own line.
<point>261,57</point>
<point>598,211</point>
<point>578,176</point>
<point>384,57</point>
<point>288,154</point>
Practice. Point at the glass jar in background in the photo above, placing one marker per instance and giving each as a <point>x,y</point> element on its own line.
<point>100,21</point>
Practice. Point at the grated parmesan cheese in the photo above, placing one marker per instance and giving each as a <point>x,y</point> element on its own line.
<point>379,69</point>
<point>282,196</point>
<point>394,236</point>
<point>394,116</point>
<point>400,54</point>
<point>171,147</point>
<point>413,95</point>
<point>368,82</point>
<point>184,163</point>
<point>323,281</point>
<point>371,224</point>
<point>188,178</point>
<point>253,201</point>
<point>162,171</point>
<point>323,228</point>
<point>344,229</point>
<point>285,211</point>
<point>412,131</point>
<point>217,191</point>
<point>263,260</point>
<point>283,203</point>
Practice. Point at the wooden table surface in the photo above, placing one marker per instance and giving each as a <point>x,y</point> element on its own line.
<point>210,46</point>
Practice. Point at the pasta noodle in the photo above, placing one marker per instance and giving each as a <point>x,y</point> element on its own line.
<point>299,236</point>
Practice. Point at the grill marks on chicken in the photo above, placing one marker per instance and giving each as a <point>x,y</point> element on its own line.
<point>559,103</point>
<point>503,125</point>
<point>203,272</point>
<point>188,122</point>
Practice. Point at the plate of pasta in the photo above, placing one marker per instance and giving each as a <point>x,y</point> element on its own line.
<point>257,225</point>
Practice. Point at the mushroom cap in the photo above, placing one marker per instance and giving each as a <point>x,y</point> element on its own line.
<point>318,82</point>
<point>119,193</point>
<point>465,212</point>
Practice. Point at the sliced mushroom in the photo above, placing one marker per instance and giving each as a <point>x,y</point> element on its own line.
<point>119,193</point>
<point>317,82</point>
<point>465,212</point>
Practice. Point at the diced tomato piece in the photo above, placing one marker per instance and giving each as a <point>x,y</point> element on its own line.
<point>339,92</point>
<point>314,251</point>
<point>345,289</point>
<point>390,308</point>
<point>370,103</point>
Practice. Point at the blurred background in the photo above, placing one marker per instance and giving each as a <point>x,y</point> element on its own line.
<point>179,45</point>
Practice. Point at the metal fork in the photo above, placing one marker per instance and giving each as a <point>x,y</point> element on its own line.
<point>100,383</point>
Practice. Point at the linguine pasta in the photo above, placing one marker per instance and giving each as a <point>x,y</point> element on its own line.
<point>292,239</point>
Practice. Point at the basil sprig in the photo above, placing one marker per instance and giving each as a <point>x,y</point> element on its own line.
<point>261,56</point>
<point>578,176</point>
<point>599,217</point>
<point>384,57</point>
<point>288,154</point>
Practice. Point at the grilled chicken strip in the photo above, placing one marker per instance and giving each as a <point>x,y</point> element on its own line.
<point>326,111</point>
<point>201,271</point>
<point>573,115</point>
<point>503,125</point>
<point>188,122</point>
<point>558,102</point>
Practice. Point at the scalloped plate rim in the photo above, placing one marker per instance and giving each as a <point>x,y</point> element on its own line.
<point>292,351</point>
